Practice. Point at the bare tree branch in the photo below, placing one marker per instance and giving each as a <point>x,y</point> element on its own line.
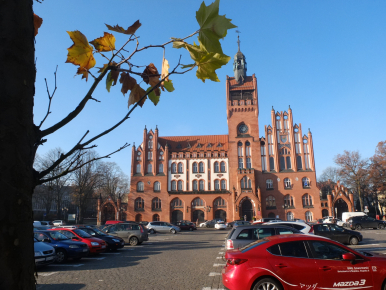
<point>49,98</point>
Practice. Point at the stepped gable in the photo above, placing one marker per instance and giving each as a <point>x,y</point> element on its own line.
<point>195,143</point>
<point>235,86</point>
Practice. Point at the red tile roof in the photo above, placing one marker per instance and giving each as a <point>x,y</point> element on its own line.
<point>247,85</point>
<point>182,143</point>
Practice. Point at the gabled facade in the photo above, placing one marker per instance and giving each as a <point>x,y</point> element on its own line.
<point>234,176</point>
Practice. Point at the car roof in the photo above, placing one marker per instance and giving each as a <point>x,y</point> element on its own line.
<point>264,226</point>
<point>295,237</point>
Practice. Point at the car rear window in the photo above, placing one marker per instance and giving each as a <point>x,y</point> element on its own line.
<point>298,227</point>
<point>255,233</point>
<point>135,227</point>
<point>231,233</point>
<point>253,245</point>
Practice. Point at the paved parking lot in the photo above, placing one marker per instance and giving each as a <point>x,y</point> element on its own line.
<point>187,260</point>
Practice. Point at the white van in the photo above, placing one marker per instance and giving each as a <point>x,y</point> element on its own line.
<point>347,215</point>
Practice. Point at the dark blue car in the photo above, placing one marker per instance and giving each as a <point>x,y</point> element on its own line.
<point>65,248</point>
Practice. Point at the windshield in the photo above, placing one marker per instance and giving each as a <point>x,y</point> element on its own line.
<point>253,245</point>
<point>81,233</point>
<point>98,231</point>
<point>57,236</point>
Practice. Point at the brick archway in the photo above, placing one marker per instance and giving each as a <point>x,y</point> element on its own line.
<point>112,205</point>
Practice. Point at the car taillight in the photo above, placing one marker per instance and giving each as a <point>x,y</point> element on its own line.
<point>141,227</point>
<point>311,230</point>
<point>229,244</point>
<point>236,261</point>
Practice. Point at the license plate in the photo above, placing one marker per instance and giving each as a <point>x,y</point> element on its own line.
<point>84,250</point>
<point>103,247</point>
<point>50,258</point>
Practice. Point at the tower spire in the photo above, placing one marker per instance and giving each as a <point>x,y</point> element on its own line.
<point>239,63</point>
<point>238,40</point>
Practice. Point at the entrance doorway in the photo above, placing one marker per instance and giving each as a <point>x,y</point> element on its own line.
<point>220,215</point>
<point>198,215</point>
<point>246,210</point>
<point>108,212</point>
<point>324,212</point>
<point>177,216</point>
<point>340,207</point>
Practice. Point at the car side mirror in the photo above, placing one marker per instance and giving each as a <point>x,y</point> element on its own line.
<point>349,257</point>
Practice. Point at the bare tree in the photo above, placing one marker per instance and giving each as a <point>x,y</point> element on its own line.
<point>330,173</point>
<point>353,171</point>
<point>114,182</point>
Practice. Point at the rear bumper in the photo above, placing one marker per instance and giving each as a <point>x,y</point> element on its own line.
<point>45,260</point>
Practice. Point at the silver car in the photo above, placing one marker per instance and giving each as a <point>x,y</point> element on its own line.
<point>44,254</point>
<point>132,233</point>
<point>164,227</point>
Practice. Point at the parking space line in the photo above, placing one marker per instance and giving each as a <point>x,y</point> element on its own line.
<point>214,274</point>
<point>220,253</point>
<point>47,274</point>
<point>218,265</point>
<point>219,258</point>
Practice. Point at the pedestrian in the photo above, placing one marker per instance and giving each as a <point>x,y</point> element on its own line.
<point>245,217</point>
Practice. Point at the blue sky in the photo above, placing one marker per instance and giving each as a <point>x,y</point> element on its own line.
<point>326,59</point>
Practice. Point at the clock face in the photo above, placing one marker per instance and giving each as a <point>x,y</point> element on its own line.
<point>161,153</point>
<point>243,128</point>
<point>139,153</point>
<point>150,137</point>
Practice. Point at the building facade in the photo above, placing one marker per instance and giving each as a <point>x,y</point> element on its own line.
<point>240,175</point>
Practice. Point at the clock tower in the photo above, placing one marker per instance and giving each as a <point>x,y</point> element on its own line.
<point>244,142</point>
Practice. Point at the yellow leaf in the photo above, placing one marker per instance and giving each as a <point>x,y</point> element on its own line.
<point>136,94</point>
<point>104,43</point>
<point>101,69</point>
<point>164,72</point>
<point>130,30</point>
<point>37,23</point>
<point>80,53</point>
<point>84,72</point>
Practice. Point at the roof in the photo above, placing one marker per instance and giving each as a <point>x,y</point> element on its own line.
<point>235,86</point>
<point>195,143</point>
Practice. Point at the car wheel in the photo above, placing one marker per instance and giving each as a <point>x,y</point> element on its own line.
<point>381,226</point>
<point>358,227</point>
<point>61,256</point>
<point>190,229</point>
<point>133,241</point>
<point>267,283</point>
<point>354,241</point>
<point>207,226</point>
<point>173,231</point>
<point>152,231</point>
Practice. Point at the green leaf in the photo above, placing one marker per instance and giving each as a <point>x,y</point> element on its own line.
<point>168,85</point>
<point>213,27</point>
<point>109,82</point>
<point>152,96</point>
<point>184,66</point>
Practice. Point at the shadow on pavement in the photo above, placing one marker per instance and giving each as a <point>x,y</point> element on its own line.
<point>60,286</point>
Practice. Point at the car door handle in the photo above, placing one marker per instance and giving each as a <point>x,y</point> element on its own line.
<point>280,265</point>
<point>325,268</point>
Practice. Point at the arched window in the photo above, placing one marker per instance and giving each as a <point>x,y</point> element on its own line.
<point>288,200</point>
<point>269,184</point>
<point>179,184</point>
<point>290,216</point>
<point>201,185</point>
<point>305,182</point>
<point>247,149</point>
<point>138,170</point>
<point>174,185</point>
<point>176,203</point>
<point>155,218</point>
<point>139,204</point>
<point>174,168</point>
<point>140,186</point>
<point>216,185</point>
<point>219,202</point>
<point>149,168</point>
<point>223,184</point>
<point>307,200</point>
<point>308,216</point>
<point>270,201</point>
<point>244,182</point>
<point>195,185</point>
<point>197,202</point>
<point>180,168</point>
<point>157,186</point>
<point>150,143</point>
<point>161,168</point>
<point>149,155</point>
<point>156,204</point>
<point>201,167</point>
<point>241,165</point>
<point>239,149</point>
<point>216,168</point>
<point>138,218</point>
<point>223,169</point>
<point>195,167</point>
<point>287,183</point>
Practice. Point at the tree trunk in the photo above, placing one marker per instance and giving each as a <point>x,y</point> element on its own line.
<point>17,138</point>
<point>360,196</point>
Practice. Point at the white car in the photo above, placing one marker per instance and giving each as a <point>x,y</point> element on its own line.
<point>220,226</point>
<point>329,219</point>
<point>58,223</point>
<point>303,227</point>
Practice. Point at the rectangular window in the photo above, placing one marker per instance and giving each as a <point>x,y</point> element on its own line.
<point>150,155</point>
<point>282,163</point>
<point>249,165</point>
<point>262,148</point>
<point>288,161</point>
<point>241,163</point>
<point>263,163</point>
<point>271,163</point>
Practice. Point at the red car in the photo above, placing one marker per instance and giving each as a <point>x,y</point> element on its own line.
<point>302,262</point>
<point>94,244</point>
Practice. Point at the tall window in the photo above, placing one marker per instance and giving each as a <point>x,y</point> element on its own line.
<point>174,168</point>
<point>216,167</point>
<point>149,168</point>
<point>290,216</point>
<point>195,187</point>
<point>287,183</point>
<point>239,149</point>
<point>157,186</point>
<point>223,166</point>
<point>176,203</point>
<point>288,200</point>
<point>269,184</point>
<point>138,170</point>
<point>201,167</point>
<point>299,162</point>
<point>223,184</point>
<point>150,143</point>
<point>161,168</point>
<point>219,202</point>
<point>174,185</point>
<point>305,182</point>
<point>245,183</point>
<point>197,202</point>
<point>201,185</point>
<point>139,203</point>
<point>149,155</point>
<point>307,200</point>
<point>249,164</point>
<point>195,167</point>
<point>247,149</point>
<point>241,165</point>
<point>180,168</point>
<point>308,216</point>
<point>156,203</point>
<point>270,201</point>
<point>216,185</point>
<point>179,185</point>
<point>155,218</point>
<point>140,186</point>
<point>271,163</point>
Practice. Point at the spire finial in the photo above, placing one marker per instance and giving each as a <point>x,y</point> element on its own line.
<point>272,109</point>
<point>238,38</point>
